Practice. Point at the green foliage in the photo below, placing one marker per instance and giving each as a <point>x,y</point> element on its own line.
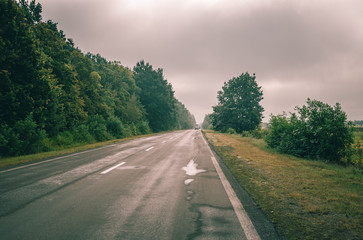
<point>257,133</point>
<point>64,139</point>
<point>239,105</point>
<point>184,118</point>
<point>231,131</point>
<point>358,122</point>
<point>23,80</point>
<point>143,127</point>
<point>115,127</point>
<point>23,137</point>
<point>207,122</point>
<point>157,97</point>
<point>97,128</point>
<point>81,134</point>
<point>32,10</point>
<point>52,95</point>
<point>316,131</point>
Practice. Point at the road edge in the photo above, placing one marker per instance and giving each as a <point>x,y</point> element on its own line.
<point>262,223</point>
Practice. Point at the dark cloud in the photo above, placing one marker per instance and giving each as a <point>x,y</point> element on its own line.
<point>298,49</point>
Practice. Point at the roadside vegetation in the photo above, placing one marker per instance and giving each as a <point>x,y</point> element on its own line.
<point>52,95</point>
<point>304,169</point>
<point>305,199</point>
<point>316,131</point>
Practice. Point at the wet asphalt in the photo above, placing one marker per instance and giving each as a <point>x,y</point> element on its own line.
<point>138,189</point>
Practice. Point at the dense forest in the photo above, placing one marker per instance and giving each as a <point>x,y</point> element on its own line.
<point>53,95</point>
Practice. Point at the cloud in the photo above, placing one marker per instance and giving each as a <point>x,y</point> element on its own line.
<point>298,49</point>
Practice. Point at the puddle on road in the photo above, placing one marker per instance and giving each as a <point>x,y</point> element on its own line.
<point>190,195</point>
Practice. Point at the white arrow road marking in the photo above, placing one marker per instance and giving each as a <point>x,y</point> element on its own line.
<point>110,169</point>
<point>191,169</point>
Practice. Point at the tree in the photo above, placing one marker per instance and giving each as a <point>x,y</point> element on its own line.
<point>53,95</point>
<point>32,10</point>
<point>24,82</point>
<point>207,122</point>
<point>239,105</point>
<point>184,118</point>
<point>157,97</point>
<point>316,131</point>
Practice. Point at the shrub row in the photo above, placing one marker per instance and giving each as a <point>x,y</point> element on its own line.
<point>26,137</point>
<point>316,131</point>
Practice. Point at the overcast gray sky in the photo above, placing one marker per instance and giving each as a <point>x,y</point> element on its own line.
<point>298,49</point>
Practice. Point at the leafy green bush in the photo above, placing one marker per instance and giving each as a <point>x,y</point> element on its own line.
<point>132,129</point>
<point>9,141</point>
<point>143,127</point>
<point>24,137</point>
<point>97,128</point>
<point>64,139</point>
<point>231,131</point>
<point>115,127</point>
<point>259,133</point>
<point>81,134</point>
<point>316,131</point>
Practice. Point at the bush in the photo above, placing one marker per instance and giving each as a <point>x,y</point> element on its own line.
<point>259,133</point>
<point>115,127</point>
<point>143,127</point>
<point>317,131</point>
<point>64,139</point>
<point>97,128</point>
<point>231,131</point>
<point>9,141</point>
<point>132,129</point>
<point>81,134</point>
<point>23,138</point>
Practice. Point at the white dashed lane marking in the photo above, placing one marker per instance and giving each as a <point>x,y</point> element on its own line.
<point>112,168</point>
<point>149,149</point>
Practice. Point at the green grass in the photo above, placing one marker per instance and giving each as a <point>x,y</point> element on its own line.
<point>305,199</point>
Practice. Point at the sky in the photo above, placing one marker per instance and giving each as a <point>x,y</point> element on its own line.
<point>298,49</point>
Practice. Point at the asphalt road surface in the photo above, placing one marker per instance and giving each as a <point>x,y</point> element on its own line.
<point>168,186</point>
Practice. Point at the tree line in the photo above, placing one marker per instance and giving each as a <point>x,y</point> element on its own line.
<point>52,94</point>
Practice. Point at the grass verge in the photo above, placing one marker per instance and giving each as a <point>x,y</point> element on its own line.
<point>9,161</point>
<point>305,199</point>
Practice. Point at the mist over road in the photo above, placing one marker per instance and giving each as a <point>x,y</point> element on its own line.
<point>159,187</point>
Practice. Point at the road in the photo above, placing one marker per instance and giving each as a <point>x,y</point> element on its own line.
<point>168,186</point>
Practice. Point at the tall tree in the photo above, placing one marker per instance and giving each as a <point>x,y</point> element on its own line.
<point>184,118</point>
<point>157,97</point>
<point>24,82</point>
<point>239,105</point>
<point>207,122</point>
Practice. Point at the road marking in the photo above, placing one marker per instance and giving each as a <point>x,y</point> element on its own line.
<point>110,169</point>
<point>53,159</point>
<point>245,222</point>
<point>149,149</point>
<point>191,168</point>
